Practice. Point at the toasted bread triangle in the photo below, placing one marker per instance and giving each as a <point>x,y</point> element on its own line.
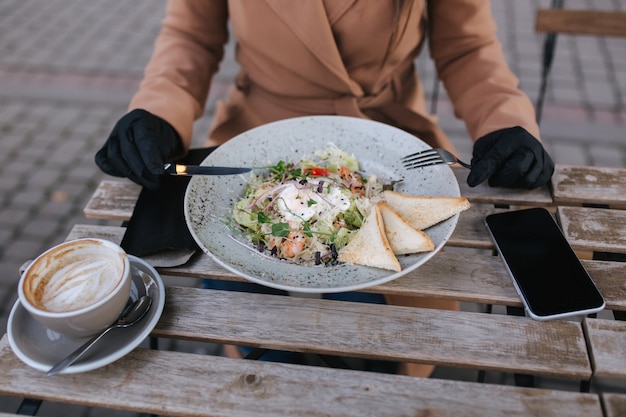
<point>403,238</point>
<point>370,246</point>
<point>422,212</point>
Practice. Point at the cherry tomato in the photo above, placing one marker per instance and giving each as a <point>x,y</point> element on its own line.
<point>317,172</point>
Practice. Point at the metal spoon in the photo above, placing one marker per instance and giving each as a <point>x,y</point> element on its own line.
<point>131,315</point>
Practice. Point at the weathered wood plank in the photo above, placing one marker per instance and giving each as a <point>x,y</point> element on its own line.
<point>490,195</point>
<point>581,22</point>
<point>609,278</point>
<point>614,404</point>
<point>578,185</point>
<point>183,384</point>
<point>457,276</point>
<point>112,233</point>
<point>449,338</point>
<point>591,229</point>
<point>113,200</point>
<point>470,231</point>
<point>607,346</point>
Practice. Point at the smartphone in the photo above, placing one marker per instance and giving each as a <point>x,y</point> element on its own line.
<point>547,274</point>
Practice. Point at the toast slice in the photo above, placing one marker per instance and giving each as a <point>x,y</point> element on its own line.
<point>370,246</point>
<point>422,212</point>
<point>403,238</point>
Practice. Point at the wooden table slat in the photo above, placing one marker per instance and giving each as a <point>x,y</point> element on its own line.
<point>472,278</point>
<point>586,230</point>
<point>485,194</point>
<point>607,347</point>
<point>571,185</point>
<point>614,405</point>
<point>449,338</point>
<point>113,200</point>
<point>594,229</point>
<point>577,185</point>
<point>160,382</point>
<point>470,231</point>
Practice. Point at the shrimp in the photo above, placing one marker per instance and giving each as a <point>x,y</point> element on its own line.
<point>293,244</point>
<point>355,182</point>
<point>290,245</point>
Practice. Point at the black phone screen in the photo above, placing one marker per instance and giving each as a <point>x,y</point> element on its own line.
<point>549,275</point>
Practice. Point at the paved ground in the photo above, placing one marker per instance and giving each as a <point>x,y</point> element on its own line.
<point>69,67</point>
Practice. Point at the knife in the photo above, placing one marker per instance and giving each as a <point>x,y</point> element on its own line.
<point>177,169</point>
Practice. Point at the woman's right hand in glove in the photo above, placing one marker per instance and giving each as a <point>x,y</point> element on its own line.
<point>138,147</point>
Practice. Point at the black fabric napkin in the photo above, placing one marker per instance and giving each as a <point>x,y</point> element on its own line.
<point>157,231</point>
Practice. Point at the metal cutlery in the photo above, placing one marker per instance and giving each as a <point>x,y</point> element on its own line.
<point>186,170</point>
<point>429,157</point>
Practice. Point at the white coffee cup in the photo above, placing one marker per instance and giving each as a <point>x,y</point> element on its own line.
<point>78,287</point>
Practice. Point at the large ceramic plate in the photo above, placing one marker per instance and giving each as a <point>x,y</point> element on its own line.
<point>378,147</point>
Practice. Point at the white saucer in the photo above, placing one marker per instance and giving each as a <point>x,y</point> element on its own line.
<point>42,348</point>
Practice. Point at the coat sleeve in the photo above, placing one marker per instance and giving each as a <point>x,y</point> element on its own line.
<point>473,69</point>
<point>186,55</point>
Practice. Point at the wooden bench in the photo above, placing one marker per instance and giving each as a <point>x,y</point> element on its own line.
<point>574,22</point>
<point>581,22</point>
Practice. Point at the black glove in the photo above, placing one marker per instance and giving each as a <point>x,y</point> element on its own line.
<point>138,147</point>
<point>510,158</point>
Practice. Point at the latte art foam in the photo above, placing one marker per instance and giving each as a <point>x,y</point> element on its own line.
<point>79,284</point>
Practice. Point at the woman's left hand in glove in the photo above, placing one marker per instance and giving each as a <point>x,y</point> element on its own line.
<point>511,158</point>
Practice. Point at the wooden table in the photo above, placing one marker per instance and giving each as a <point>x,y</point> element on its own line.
<point>587,202</point>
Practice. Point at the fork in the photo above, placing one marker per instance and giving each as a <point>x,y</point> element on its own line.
<point>429,157</point>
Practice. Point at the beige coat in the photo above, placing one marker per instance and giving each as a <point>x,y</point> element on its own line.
<point>310,57</point>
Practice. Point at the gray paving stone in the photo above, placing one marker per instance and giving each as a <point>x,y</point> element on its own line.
<point>601,93</point>
<point>10,111</point>
<point>567,154</point>
<point>607,156</point>
<point>9,277</point>
<point>13,216</point>
<point>23,249</point>
<point>7,185</point>
<point>27,197</point>
<point>56,209</point>
<point>6,233</point>
<point>39,227</point>
<point>42,178</point>
<point>31,153</point>
<point>565,91</point>
<point>63,117</point>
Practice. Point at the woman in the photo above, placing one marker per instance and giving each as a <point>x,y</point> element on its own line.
<point>318,57</point>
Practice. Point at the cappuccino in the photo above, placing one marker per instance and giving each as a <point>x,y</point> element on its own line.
<point>78,278</point>
<point>77,287</point>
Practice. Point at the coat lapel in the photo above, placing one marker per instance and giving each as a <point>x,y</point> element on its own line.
<point>309,22</point>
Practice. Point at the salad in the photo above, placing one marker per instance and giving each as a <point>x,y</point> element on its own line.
<point>305,212</point>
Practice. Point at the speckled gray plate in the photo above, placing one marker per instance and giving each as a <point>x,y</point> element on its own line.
<point>378,147</point>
